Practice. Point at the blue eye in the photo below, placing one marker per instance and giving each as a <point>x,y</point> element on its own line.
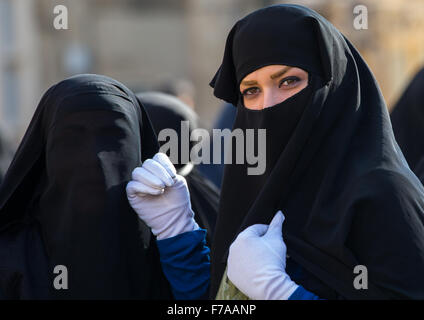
<point>288,81</point>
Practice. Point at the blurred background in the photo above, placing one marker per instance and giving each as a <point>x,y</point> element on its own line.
<point>171,45</point>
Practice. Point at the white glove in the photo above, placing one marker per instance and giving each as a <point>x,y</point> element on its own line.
<point>257,262</point>
<point>160,197</point>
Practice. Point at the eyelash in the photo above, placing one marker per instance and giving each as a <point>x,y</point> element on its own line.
<point>291,78</point>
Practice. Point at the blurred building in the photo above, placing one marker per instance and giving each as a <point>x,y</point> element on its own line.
<point>20,67</point>
<point>146,43</point>
<point>393,44</point>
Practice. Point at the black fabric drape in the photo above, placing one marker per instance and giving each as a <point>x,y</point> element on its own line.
<point>408,123</point>
<point>341,180</point>
<point>66,188</point>
<point>167,112</point>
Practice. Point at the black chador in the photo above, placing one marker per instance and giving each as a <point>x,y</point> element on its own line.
<point>333,168</point>
<point>63,200</point>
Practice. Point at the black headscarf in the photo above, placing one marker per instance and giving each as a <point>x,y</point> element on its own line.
<point>408,123</point>
<point>166,112</point>
<point>339,176</point>
<point>67,182</point>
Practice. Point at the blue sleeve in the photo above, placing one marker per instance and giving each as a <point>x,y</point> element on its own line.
<point>302,294</point>
<point>186,264</point>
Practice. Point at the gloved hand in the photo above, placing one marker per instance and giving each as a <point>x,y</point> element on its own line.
<point>160,197</point>
<point>257,261</point>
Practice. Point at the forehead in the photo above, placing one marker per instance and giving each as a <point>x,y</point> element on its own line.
<point>93,119</point>
<point>271,72</point>
<point>96,108</point>
<point>266,70</point>
<point>80,127</point>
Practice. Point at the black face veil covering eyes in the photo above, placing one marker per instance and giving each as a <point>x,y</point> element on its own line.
<point>333,168</point>
<point>63,200</point>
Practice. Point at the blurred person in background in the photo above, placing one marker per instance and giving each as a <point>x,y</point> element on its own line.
<point>224,120</point>
<point>167,112</point>
<point>407,118</point>
<point>181,88</point>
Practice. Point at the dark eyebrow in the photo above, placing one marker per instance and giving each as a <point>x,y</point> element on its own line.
<point>273,76</point>
<point>249,82</point>
<point>280,73</point>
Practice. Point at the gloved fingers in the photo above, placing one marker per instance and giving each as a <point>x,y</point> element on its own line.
<point>135,188</point>
<point>158,171</point>
<point>179,180</point>
<point>143,176</point>
<point>166,163</point>
<point>256,230</point>
<point>276,225</point>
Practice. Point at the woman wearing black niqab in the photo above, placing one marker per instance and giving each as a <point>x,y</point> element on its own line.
<point>333,166</point>
<point>63,200</point>
<point>407,119</point>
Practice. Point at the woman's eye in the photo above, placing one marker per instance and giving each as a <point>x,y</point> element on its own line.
<point>289,81</point>
<point>250,91</point>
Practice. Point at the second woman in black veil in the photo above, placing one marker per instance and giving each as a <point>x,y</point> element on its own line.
<point>63,200</point>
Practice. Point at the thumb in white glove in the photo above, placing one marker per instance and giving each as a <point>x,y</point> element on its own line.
<point>160,197</point>
<point>257,261</point>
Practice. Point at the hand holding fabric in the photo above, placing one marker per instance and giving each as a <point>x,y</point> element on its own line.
<point>160,197</point>
<point>257,262</point>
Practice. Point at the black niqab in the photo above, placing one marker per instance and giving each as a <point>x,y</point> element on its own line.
<point>340,179</point>
<point>66,185</point>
